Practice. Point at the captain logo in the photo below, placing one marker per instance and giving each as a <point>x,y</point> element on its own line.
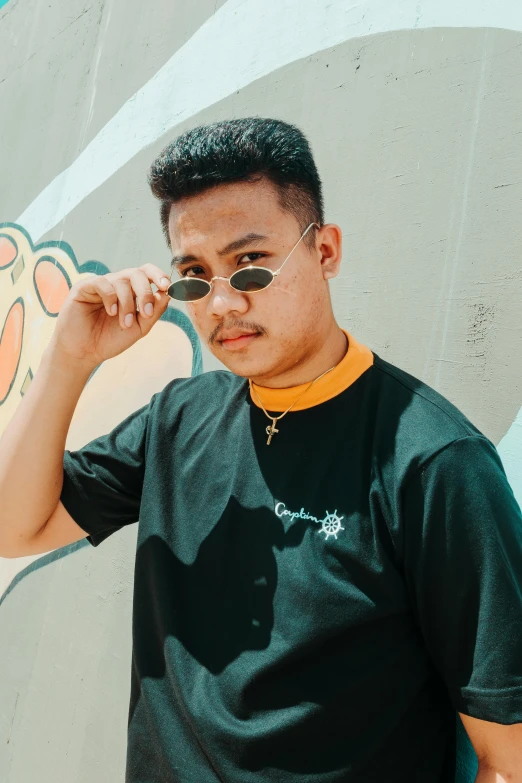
<point>330,525</point>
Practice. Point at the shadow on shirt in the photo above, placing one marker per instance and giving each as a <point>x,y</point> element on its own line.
<point>219,605</point>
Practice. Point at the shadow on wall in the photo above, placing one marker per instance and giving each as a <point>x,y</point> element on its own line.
<point>34,283</point>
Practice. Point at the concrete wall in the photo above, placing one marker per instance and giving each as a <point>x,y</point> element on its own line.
<point>414,115</point>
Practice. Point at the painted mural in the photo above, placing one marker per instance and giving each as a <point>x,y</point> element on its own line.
<point>412,108</point>
<point>34,283</point>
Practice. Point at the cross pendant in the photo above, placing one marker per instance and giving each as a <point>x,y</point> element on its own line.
<point>271,430</point>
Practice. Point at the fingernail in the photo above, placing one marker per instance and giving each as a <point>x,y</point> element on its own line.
<point>114,309</point>
<point>128,319</point>
<point>149,308</point>
<point>165,281</point>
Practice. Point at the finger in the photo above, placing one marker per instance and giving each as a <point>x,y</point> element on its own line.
<point>97,287</point>
<point>126,305</point>
<point>156,276</point>
<point>161,296</point>
<point>140,284</point>
<point>146,324</point>
<point>158,296</point>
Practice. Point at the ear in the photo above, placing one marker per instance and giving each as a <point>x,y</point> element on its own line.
<point>329,244</point>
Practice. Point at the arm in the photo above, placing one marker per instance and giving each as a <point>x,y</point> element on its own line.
<point>31,455</point>
<point>498,748</point>
<point>90,329</point>
<point>464,568</point>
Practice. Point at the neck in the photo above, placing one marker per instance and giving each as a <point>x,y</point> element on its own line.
<point>330,351</point>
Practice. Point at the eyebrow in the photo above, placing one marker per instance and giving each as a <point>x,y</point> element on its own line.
<point>232,247</point>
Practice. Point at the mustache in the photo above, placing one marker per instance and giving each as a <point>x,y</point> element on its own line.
<point>248,326</point>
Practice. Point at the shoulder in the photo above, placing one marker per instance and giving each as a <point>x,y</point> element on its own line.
<point>209,389</point>
<point>419,399</point>
<point>420,420</point>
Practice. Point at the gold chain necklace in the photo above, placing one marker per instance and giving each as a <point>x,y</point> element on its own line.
<point>271,429</point>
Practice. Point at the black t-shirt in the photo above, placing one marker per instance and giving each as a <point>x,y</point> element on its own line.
<point>317,609</point>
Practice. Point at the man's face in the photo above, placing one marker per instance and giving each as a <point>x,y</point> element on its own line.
<point>265,334</point>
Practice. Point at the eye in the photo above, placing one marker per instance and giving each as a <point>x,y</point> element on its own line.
<point>250,258</point>
<point>193,271</point>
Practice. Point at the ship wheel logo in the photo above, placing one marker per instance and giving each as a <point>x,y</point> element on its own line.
<point>331,525</point>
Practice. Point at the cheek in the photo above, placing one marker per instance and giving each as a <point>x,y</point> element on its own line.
<point>302,292</point>
<point>195,314</point>
<point>301,303</point>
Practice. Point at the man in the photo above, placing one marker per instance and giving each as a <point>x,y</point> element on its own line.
<point>329,556</point>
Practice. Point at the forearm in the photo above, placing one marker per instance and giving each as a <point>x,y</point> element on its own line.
<point>32,446</point>
<point>488,774</point>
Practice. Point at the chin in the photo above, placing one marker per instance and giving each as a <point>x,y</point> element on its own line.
<point>245,368</point>
<point>243,363</point>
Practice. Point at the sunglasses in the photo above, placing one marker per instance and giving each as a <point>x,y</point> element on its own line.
<point>248,280</point>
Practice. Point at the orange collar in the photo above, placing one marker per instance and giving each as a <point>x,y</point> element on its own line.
<point>357,360</point>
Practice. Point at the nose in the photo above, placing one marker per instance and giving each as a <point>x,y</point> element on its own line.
<point>224,299</point>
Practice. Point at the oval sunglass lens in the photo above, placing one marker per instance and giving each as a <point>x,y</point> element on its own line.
<point>247,280</point>
<point>189,289</point>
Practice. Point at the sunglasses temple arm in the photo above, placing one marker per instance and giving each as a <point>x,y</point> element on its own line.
<point>305,232</point>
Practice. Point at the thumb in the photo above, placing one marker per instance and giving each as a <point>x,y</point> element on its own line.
<point>160,305</point>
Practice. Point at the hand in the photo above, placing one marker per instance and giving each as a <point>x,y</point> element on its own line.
<point>98,320</point>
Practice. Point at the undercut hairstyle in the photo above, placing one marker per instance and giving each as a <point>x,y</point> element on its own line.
<point>243,150</point>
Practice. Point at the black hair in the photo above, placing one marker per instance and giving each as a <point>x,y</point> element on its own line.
<point>242,150</point>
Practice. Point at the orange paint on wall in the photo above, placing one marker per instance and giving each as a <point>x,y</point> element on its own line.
<point>52,286</point>
<point>8,252</point>
<point>10,347</point>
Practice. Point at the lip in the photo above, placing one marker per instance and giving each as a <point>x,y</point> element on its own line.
<point>241,341</point>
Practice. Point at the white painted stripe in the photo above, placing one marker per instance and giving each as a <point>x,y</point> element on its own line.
<point>243,41</point>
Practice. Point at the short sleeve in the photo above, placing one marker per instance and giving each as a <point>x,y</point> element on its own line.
<point>463,565</point>
<point>102,482</point>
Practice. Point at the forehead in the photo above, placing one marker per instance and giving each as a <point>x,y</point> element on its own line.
<point>218,213</point>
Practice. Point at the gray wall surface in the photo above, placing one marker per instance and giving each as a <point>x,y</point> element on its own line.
<point>415,120</point>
